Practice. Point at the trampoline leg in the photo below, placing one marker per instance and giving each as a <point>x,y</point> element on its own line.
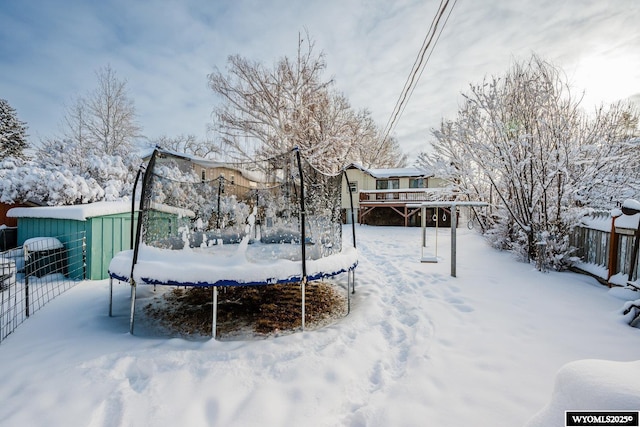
<point>110,296</point>
<point>303,283</point>
<point>353,281</point>
<point>133,306</point>
<point>214,320</point>
<point>348,292</point>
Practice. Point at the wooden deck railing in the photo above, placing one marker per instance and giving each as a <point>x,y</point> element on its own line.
<point>399,196</point>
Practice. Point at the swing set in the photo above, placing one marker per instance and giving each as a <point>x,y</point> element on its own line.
<point>435,218</point>
<point>453,209</point>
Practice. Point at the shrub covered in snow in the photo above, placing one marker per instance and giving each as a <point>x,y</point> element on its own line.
<point>67,178</point>
<point>27,180</point>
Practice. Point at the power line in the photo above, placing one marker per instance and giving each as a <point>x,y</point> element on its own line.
<point>428,57</point>
<point>418,68</point>
<point>412,74</point>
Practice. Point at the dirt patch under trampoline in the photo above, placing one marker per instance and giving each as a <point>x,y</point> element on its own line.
<point>247,311</point>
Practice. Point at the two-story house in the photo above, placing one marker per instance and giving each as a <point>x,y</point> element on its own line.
<point>390,196</point>
<point>208,170</point>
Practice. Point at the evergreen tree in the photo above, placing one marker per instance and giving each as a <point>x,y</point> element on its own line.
<point>13,132</point>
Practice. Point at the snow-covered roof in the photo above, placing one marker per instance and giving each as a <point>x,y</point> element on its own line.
<point>391,172</point>
<point>251,175</point>
<point>75,212</point>
<point>206,163</point>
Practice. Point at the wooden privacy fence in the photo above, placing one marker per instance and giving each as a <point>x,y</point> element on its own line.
<point>605,247</point>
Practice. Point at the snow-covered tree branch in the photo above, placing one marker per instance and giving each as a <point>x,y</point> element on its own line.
<point>522,143</point>
<point>267,111</point>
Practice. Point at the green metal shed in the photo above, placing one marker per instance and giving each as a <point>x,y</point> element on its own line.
<point>103,228</point>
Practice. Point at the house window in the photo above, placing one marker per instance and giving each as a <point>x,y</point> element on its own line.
<point>417,183</point>
<point>387,184</point>
<point>203,175</point>
<point>353,186</point>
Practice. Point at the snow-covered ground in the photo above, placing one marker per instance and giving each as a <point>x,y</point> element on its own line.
<point>419,348</point>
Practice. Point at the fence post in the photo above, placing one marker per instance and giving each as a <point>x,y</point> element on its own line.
<point>613,250</point>
<point>634,254</point>
<point>630,207</point>
<point>84,257</point>
<point>26,281</point>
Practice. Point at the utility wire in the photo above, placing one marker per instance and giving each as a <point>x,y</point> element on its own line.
<point>417,69</point>
<point>414,69</point>
<point>428,57</point>
<point>412,73</point>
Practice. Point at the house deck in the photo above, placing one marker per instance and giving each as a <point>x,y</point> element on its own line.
<point>401,201</point>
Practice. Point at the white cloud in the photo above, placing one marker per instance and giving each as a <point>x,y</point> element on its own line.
<point>49,53</point>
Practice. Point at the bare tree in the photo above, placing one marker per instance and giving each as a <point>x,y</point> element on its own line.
<point>608,156</point>
<point>523,139</point>
<point>110,119</point>
<point>389,154</point>
<point>188,144</point>
<point>367,149</point>
<point>267,111</point>
<point>98,133</point>
<point>102,122</point>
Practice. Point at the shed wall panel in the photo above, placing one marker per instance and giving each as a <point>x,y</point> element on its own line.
<point>109,235</point>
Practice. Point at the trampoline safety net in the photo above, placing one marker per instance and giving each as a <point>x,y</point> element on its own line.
<point>213,207</point>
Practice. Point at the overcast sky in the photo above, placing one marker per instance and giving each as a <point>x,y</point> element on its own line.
<point>50,51</point>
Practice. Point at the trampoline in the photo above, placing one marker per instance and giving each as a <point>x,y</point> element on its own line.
<point>209,224</point>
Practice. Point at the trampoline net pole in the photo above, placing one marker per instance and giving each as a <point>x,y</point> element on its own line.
<point>133,206</point>
<point>303,237</point>
<point>353,219</point>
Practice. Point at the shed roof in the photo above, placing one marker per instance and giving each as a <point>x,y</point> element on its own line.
<point>74,212</point>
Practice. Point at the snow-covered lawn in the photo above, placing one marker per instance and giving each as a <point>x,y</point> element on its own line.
<point>419,348</point>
